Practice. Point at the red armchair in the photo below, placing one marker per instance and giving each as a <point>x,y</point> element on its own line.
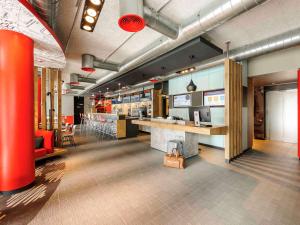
<point>48,146</point>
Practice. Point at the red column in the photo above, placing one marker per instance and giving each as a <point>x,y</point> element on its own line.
<point>16,111</point>
<point>299,114</point>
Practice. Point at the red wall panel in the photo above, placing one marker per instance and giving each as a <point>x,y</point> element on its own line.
<point>299,114</point>
<point>16,111</point>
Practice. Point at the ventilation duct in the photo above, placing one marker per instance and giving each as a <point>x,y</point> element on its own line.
<point>77,78</point>
<point>89,63</point>
<point>205,22</point>
<point>134,16</point>
<point>160,23</point>
<point>47,9</point>
<point>131,15</point>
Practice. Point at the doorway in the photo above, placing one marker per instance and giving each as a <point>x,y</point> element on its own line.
<point>273,111</point>
<point>78,109</point>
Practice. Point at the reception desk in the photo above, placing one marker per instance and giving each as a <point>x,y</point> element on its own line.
<point>162,131</point>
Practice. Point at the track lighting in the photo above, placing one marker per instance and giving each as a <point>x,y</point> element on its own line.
<point>90,15</point>
<point>188,70</point>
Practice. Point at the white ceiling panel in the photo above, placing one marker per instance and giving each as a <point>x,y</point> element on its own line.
<point>157,4</point>
<point>262,22</point>
<point>135,44</point>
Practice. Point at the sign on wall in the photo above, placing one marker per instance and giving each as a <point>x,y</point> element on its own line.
<point>214,98</point>
<point>182,100</point>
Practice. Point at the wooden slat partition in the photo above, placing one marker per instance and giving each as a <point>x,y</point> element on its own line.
<point>52,77</point>
<point>233,109</point>
<point>250,112</point>
<point>59,93</point>
<point>43,100</point>
<point>36,101</point>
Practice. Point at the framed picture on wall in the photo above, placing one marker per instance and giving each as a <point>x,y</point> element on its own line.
<point>214,98</point>
<point>184,100</point>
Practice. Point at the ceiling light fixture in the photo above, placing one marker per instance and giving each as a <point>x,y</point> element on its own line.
<point>95,2</point>
<point>87,27</point>
<point>89,19</point>
<point>184,71</point>
<point>90,15</point>
<point>91,12</point>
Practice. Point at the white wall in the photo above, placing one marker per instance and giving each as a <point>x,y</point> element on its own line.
<point>284,60</point>
<point>67,103</point>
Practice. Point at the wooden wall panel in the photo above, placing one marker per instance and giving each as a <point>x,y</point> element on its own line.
<point>233,109</point>
<point>52,77</point>
<point>59,109</point>
<point>36,102</point>
<point>43,100</point>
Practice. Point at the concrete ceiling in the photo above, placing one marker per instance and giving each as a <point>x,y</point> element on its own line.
<point>109,43</point>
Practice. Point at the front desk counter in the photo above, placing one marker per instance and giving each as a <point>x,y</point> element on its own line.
<point>162,131</point>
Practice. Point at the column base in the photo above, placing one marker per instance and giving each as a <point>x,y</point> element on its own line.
<point>6,193</point>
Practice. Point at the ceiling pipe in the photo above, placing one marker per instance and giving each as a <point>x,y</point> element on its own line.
<point>89,63</point>
<point>204,23</point>
<point>161,24</point>
<point>134,16</point>
<point>47,9</point>
<point>77,78</point>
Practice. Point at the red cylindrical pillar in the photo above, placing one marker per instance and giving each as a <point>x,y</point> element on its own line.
<point>16,111</point>
<point>299,114</point>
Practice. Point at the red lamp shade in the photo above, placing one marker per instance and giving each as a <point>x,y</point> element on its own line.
<point>132,23</point>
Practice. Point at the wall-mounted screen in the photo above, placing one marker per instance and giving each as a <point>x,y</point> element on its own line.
<point>214,98</point>
<point>184,100</point>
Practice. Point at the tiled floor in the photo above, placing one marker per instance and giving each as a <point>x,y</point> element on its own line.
<point>124,182</point>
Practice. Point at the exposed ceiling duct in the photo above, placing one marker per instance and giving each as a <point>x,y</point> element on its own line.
<point>47,9</point>
<point>160,23</point>
<point>89,63</point>
<point>77,78</point>
<point>204,23</point>
<point>134,16</point>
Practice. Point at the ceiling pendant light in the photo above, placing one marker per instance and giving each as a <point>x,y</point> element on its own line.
<point>191,87</point>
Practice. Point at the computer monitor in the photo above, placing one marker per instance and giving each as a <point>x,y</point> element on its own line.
<point>205,117</point>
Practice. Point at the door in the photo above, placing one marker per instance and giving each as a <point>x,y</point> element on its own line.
<point>78,109</point>
<point>281,116</point>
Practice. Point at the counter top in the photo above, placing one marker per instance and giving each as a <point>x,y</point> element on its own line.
<point>214,130</point>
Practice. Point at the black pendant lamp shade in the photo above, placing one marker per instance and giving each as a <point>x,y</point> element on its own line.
<point>191,87</point>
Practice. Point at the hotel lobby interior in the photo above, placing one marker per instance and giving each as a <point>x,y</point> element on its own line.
<point>158,112</point>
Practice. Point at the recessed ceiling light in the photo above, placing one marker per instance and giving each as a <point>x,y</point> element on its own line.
<point>95,2</point>
<point>87,27</point>
<point>91,12</point>
<point>89,19</point>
